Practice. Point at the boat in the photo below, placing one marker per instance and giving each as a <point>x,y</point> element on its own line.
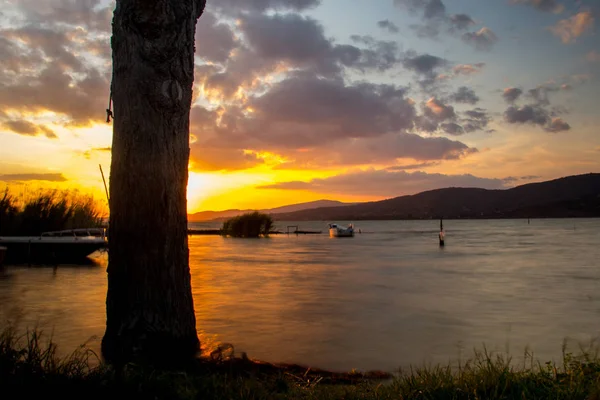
<point>337,231</point>
<point>64,246</point>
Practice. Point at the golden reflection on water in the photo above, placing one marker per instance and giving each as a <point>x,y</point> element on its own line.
<point>384,299</point>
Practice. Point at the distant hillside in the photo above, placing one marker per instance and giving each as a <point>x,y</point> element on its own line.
<point>221,215</point>
<point>574,196</point>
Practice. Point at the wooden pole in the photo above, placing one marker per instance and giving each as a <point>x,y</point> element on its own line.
<point>104,180</point>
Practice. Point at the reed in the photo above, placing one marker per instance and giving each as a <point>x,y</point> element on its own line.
<point>30,367</point>
<point>48,210</point>
<point>250,225</point>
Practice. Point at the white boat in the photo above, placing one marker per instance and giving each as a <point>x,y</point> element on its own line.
<point>60,246</point>
<point>337,231</point>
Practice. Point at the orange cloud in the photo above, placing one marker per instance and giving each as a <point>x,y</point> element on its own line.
<point>571,28</point>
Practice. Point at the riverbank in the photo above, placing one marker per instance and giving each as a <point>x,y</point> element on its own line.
<point>30,367</point>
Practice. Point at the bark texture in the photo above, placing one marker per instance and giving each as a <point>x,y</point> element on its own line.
<point>149,305</point>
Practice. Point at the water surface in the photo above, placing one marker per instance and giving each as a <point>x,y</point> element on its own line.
<point>387,298</point>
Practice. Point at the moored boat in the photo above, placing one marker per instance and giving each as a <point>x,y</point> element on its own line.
<point>337,231</point>
<point>54,247</point>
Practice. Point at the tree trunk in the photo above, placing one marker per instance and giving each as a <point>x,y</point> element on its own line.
<point>149,305</point>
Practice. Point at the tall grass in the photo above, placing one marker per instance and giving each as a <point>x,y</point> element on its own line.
<point>249,225</point>
<point>47,211</point>
<point>30,368</point>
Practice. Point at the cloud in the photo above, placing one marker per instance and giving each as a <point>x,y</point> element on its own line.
<point>304,110</point>
<point>426,66</point>
<point>214,39</point>
<point>461,21</point>
<point>512,94</point>
<point>593,56</point>
<point>452,128</point>
<point>435,18</point>
<point>429,9</point>
<point>468,69</point>
<point>484,39</point>
<point>387,183</point>
<point>526,114</point>
<point>27,128</point>
<point>465,95</point>
<point>542,5</point>
<point>568,30</point>
<point>388,25</point>
<point>88,153</point>
<point>234,7</point>
<point>32,177</point>
<point>82,100</point>
<point>438,111</point>
<point>475,120</point>
<point>413,166</point>
<point>94,15</point>
<point>558,125</point>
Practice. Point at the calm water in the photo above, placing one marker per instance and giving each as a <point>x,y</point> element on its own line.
<point>387,298</point>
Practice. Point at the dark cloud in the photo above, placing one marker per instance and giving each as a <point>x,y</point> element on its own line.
<point>94,15</point>
<point>308,110</point>
<point>51,44</point>
<point>426,66</point>
<point>285,42</point>
<point>387,183</point>
<point>82,101</point>
<point>413,166</point>
<point>32,177</point>
<point>435,19</point>
<point>465,95</point>
<point>540,96</point>
<point>542,5</point>
<point>475,120</point>
<point>484,39</point>
<point>388,26</point>
<point>461,21</point>
<point>558,125</point>
<point>429,9</point>
<point>528,114</point>
<point>28,128</point>
<point>452,128</point>
<point>214,40</point>
<point>235,6</point>
<point>512,94</point>
<point>437,111</point>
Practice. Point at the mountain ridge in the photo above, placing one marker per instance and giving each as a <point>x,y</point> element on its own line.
<point>571,196</point>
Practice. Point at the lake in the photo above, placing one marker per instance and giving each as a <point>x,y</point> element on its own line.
<point>390,297</point>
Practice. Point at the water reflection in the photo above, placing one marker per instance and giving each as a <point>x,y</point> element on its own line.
<point>389,297</point>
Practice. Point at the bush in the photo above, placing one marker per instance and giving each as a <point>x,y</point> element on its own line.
<point>47,211</point>
<point>248,225</point>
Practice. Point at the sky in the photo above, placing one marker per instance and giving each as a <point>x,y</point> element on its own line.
<point>299,100</point>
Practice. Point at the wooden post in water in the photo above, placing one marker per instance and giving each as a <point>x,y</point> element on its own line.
<point>441,235</point>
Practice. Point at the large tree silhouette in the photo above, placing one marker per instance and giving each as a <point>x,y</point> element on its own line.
<point>149,305</point>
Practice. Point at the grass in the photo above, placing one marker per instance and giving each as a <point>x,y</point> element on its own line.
<point>47,211</point>
<point>30,368</point>
<point>250,225</point>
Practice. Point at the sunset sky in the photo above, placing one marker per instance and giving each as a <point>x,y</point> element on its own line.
<point>299,100</point>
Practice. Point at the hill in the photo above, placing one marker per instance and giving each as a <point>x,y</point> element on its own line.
<point>573,196</point>
<point>222,215</point>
